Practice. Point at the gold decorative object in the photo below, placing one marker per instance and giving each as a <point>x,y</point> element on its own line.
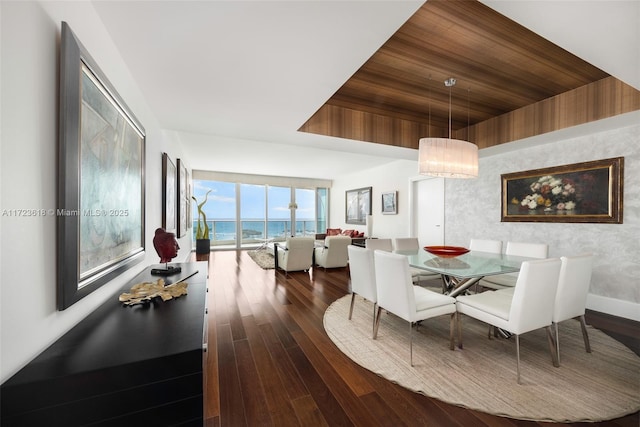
<point>143,293</point>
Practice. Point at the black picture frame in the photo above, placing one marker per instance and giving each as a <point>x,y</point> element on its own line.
<point>182,199</point>
<point>101,186</point>
<point>169,194</point>
<point>357,205</point>
<point>587,192</point>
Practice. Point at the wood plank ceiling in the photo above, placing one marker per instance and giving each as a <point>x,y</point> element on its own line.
<point>501,67</point>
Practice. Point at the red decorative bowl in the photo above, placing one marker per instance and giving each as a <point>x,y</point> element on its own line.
<point>446,251</point>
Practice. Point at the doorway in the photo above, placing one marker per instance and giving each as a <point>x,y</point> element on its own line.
<point>426,207</point>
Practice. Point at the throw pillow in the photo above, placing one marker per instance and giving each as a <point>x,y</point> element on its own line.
<point>333,231</point>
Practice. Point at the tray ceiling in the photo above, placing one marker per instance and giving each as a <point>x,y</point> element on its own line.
<point>500,66</point>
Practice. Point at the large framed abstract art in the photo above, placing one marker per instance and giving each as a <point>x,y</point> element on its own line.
<point>590,192</point>
<point>100,209</point>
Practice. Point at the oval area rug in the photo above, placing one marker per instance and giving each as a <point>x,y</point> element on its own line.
<point>597,386</point>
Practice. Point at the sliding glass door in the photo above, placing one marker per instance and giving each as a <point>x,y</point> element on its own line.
<point>278,213</point>
<point>253,218</point>
<point>243,215</point>
<point>304,215</point>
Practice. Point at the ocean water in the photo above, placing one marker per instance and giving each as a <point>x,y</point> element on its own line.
<point>226,230</point>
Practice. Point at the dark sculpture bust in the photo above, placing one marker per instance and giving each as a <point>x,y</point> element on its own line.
<point>166,245</point>
<point>167,248</point>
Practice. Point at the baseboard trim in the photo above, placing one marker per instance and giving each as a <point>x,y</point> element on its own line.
<point>616,307</point>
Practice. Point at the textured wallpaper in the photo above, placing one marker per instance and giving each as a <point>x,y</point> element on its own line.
<point>473,209</point>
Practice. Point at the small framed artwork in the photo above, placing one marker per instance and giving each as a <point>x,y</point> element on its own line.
<point>390,203</point>
<point>182,199</point>
<point>169,194</point>
<point>590,192</point>
<point>357,205</point>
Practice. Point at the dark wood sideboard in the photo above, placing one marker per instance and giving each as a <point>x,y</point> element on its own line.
<point>120,366</point>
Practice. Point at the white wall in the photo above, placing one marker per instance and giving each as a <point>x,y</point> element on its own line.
<point>30,36</point>
<point>472,208</point>
<point>616,271</point>
<point>393,176</point>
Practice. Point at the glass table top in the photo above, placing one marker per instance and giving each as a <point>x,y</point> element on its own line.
<point>469,265</point>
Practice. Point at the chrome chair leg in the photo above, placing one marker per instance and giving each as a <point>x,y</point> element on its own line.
<point>555,324</point>
<point>518,357</point>
<point>411,344</point>
<point>585,336</point>
<point>353,298</point>
<point>377,324</point>
<point>452,326</point>
<point>459,322</point>
<point>373,326</point>
<point>552,347</point>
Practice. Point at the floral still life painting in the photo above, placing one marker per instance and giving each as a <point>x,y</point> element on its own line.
<point>581,192</point>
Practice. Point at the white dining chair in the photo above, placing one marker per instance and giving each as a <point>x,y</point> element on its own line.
<point>528,307</point>
<point>363,278</point>
<point>410,245</point>
<point>398,295</point>
<point>508,280</point>
<point>484,245</point>
<point>571,297</point>
<point>381,244</point>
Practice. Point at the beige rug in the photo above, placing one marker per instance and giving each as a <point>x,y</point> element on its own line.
<point>587,387</point>
<point>263,258</point>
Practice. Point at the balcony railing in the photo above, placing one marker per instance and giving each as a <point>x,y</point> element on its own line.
<point>224,232</point>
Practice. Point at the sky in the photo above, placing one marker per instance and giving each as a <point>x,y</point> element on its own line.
<point>221,202</point>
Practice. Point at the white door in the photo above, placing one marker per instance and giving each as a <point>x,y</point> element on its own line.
<point>427,210</point>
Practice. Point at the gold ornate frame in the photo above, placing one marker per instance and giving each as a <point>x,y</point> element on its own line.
<point>588,192</point>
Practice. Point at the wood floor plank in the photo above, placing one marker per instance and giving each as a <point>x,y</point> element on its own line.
<point>275,392</point>
<point>234,298</point>
<point>253,394</point>
<point>382,412</point>
<point>271,362</point>
<point>338,360</point>
<point>308,412</point>
<point>232,410</point>
<point>409,406</point>
<point>292,382</point>
<point>327,403</point>
<point>353,406</point>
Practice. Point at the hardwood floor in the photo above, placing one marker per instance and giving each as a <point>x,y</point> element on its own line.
<point>271,363</point>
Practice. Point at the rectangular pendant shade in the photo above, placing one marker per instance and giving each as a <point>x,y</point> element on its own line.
<point>448,158</point>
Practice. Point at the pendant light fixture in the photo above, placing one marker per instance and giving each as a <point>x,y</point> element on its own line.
<point>446,157</point>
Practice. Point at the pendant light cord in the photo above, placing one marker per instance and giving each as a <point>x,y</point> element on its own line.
<point>450,111</point>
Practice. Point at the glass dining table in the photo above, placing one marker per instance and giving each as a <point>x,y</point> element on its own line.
<point>461,272</point>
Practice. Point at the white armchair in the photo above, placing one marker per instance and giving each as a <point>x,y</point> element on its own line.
<point>334,252</point>
<point>528,307</point>
<point>295,255</point>
<point>398,295</point>
<point>363,278</point>
<point>508,280</point>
